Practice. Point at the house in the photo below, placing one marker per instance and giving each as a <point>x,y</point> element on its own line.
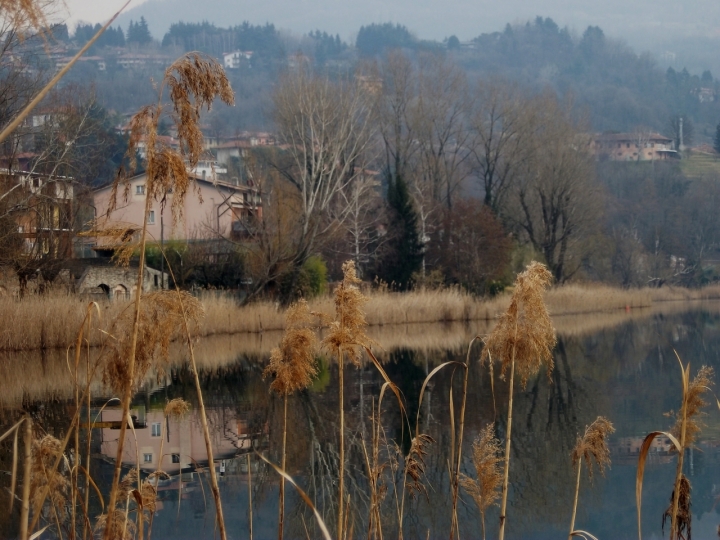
<point>212,208</point>
<point>704,95</point>
<point>96,61</point>
<point>43,212</point>
<point>131,60</point>
<point>233,60</point>
<point>637,146</point>
<point>227,150</point>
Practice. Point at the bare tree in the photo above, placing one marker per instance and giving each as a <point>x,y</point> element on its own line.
<point>362,205</point>
<point>502,135</point>
<point>556,201</point>
<point>327,128</point>
<point>440,127</point>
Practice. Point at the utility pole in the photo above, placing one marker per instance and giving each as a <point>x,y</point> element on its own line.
<point>682,143</point>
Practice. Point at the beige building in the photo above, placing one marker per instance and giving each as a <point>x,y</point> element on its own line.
<point>637,146</point>
<point>212,208</point>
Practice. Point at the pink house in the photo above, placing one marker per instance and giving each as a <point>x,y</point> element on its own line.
<point>220,208</point>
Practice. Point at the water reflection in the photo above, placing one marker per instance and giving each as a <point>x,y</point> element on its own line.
<point>176,443</point>
<point>626,371</point>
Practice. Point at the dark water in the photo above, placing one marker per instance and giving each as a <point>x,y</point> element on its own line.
<point>628,373</point>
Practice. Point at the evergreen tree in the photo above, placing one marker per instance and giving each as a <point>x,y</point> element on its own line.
<point>139,32</point>
<point>375,38</point>
<point>716,142</point>
<point>405,250</point>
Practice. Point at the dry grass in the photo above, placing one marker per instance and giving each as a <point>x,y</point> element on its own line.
<point>51,321</point>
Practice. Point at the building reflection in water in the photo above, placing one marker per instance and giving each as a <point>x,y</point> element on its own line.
<point>183,444</point>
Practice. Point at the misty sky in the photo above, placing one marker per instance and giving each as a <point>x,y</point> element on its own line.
<point>653,25</point>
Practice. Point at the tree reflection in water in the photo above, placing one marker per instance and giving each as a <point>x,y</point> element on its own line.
<point>626,373</point>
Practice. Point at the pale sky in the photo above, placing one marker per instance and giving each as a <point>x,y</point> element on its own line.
<point>93,10</point>
<point>688,30</point>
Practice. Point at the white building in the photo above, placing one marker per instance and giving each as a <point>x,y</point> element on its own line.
<point>233,59</point>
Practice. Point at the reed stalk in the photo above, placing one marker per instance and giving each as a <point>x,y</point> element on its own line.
<point>575,501</point>
<point>128,383</point>
<point>89,440</point>
<point>679,467</point>
<point>281,510</point>
<point>346,338</point>
<point>250,512</point>
<point>25,509</point>
<point>522,340</point>
<point>292,365</point>
<point>455,526</point>
<point>590,447</point>
<point>341,465</point>
<point>508,440</point>
<point>206,430</point>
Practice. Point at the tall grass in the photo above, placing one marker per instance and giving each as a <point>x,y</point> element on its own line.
<point>522,341</point>
<point>47,322</point>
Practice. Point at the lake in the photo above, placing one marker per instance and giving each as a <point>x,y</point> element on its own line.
<point>620,365</point>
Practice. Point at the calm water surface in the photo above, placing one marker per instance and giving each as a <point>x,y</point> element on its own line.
<point>627,372</point>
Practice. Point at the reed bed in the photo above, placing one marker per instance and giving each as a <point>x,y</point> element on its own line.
<point>49,322</point>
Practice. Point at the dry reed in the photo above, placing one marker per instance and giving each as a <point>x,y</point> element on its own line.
<point>682,435</point>
<point>522,340</point>
<point>485,487</point>
<point>292,366</point>
<point>591,446</point>
<point>346,338</point>
<point>47,322</point>
<point>687,427</point>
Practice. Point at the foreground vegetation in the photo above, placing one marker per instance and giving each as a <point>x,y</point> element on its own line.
<point>519,345</point>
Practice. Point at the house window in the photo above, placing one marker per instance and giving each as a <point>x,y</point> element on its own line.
<point>140,189</point>
<point>151,217</point>
<point>147,458</point>
<point>156,429</point>
<point>176,458</point>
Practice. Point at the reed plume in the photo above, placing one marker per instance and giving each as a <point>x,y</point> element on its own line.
<point>693,404</point>
<point>522,341</point>
<point>486,456</point>
<point>160,322</point>
<point>44,477</point>
<point>292,366</point>
<point>346,338</point>
<point>686,428</point>
<point>591,446</point>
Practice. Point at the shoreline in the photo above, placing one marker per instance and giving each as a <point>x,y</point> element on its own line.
<point>45,323</point>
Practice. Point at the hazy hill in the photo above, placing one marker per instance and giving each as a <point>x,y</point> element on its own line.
<point>687,30</point>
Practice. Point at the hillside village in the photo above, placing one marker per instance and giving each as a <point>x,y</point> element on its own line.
<point>242,142</point>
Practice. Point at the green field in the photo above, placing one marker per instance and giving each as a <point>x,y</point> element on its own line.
<point>697,165</point>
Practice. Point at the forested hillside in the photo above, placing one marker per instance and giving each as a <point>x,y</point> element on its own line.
<point>479,152</point>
